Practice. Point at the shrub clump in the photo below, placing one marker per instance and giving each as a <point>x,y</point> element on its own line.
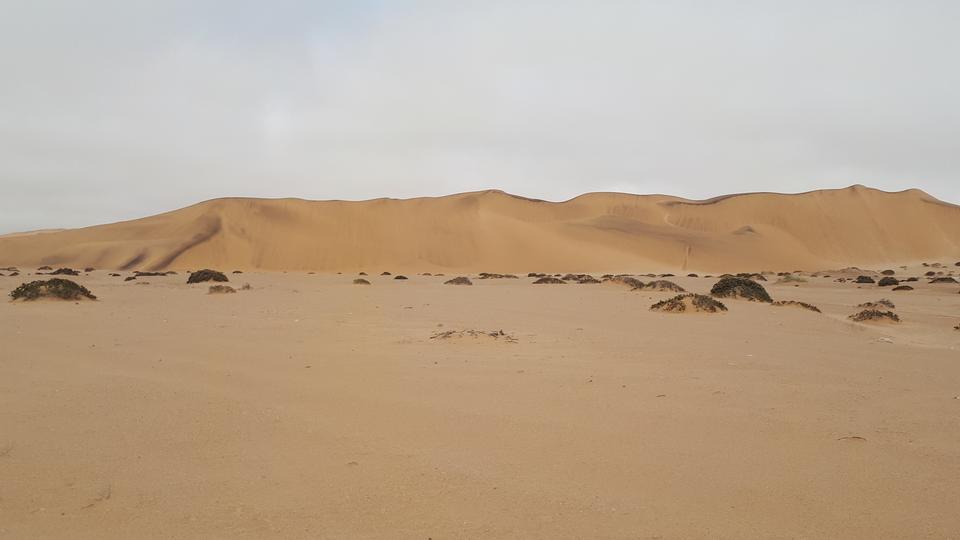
<point>460,280</point>
<point>944,279</point>
<point>692,302</point>
<point>488,275</point>
<point>879,304</point>
<point>399,276</point>
<point>629,281</point>
<point>360,281</point>
<point>206,275</point>
<point>796,303</point>
<point>737,287</point>
<point>547,280</point>
<point>663,285</point>
<point>221,289</point>
<point>888,272</point>
<point>865,279</point>
<point>875,315</point>
<point>888,281</point>
<point>63,289</point>
<point>902,288</point>
<point>64,272</point>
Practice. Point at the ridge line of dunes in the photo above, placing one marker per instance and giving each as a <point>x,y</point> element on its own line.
<point>493,230</point>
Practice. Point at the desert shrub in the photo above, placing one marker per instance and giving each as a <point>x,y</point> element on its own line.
<point>14,274</point>
<point>888,281</point>
<point>692,275</point>
<point>629,281</point>
<point>667,275</point>
<point>488,275</point>
<point>796,303</point>
<point>385,274</point>
<point>902,288</point>
<point>868,315</point>
<point>360,281</point>
<point>738,287</point>
<point>150,274</point>
<point>754,276</point>
<point>931,273</point>
<point>221,289</point>
<point>580,278</point>
<point>549,281</point>
<point>44,268</point>
<point>790,278</point>
<point>241,271</point>
<point>206,275</point>
<point>911,279</point>
<point>888,272</point>
<point>865,279</point>
<point>663,285</point>
<point>246,287</point>
<point>130,278</point>
<point>944,279</point>
<point>64,272</point>
<point>362,274</point>
<point>460,280</point>
<point>113,274</point>
<point>400,276</point>
<point>536,274</point>
<point>63,289</point>
<point>692,302</point>
<point>882,303</point>
<point>89,269</point>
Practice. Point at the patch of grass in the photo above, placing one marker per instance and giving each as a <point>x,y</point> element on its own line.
<point>206,275</point>
<point>221,289</point>
<point>63,289</point>
<point>796,303</point>
<point>692,302</point>
<point>738,287</point>
<point>874,315</point>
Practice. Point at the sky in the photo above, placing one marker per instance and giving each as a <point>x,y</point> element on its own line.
<point>118,109</point>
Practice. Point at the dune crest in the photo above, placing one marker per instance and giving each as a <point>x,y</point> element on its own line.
<point>496,231</point>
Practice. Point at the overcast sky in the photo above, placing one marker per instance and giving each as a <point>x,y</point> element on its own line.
<point>119,109</point>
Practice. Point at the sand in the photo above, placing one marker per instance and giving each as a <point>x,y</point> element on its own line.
<point>308,407</point>
<point>492,231</point>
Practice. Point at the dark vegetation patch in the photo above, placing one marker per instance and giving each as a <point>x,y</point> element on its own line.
<point>888,281</point>
<point>206,275</point>
<point>400,276</point>
<point>738,287</point>
<point>580,278</point>
<point>152,274</point>
<point>663,285</point>
<point>755,276</point>
<point>902,288</point>
<point>692,275</point>
<point>865,279</point>
<point>89,269</point>
<point>221,289</point>
<point>64,272</point>
<point>488,275</point>
<point>241,271</point>
<point>536,274</point>
<point>875,315</point>
<point>888,272</point>
<point>113,274</point>
<point>385,274</point>
<point>943,280</point>
<point>911,279</point>
<point>45,268</point>
<point>360,281</point>
<point>459,280</point>
<point>879,304</point>
<point>130,278</point>
<point>362,274</point>
<point>629,281</point>
<point>548,280</point>
<point>689,302</point>
<point>63,289</point>
<point>796,303</point>
<point>495,335</point>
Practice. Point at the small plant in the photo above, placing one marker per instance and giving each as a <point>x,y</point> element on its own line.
<point>360,281</point>
<point>902,288</point>
<point>385,273</point>
<point>865,279</point>
<point>488,275</point>
<point>691,302</point>
<point>89,269</point>
<point>882,303</point>
<point>64,272</point>
<point>547,280</point>
<point>63,289</point>
<point>875,315</point>
<point>460,280</point>
<point>888,272</point>
<point>737,287</point>
<point>400,276</point>
<point>944,279</point>
<point>44,268</point>
<point>221,289</point>
<point>629,281</point>
<point>796,303</point>
<point>790,278</point>
<point>206,275</point>
<point>888,281</point>
<point>663,285</point>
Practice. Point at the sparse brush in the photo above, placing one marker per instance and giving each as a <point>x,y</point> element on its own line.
<point>692,302</point>
<point>797,303</point>
<point>865,279</point>
<point>549,281</point>
<point>400,277</point>
<point>943,280</point>
<point>790,278</point>
<point>902,288</point>
<point>63,289</point>
<point>662,285</point>
<point>737,287</point>
<point>882,303</point>
<point>875,315</point>
<point>221,289</point>
<point>206,275</point>
<point>64,272</point>
<point>460,280</point>
<point>360,281</point>
<point>888,281</point>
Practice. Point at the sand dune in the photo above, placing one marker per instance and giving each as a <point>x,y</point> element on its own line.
<point>495,231</point>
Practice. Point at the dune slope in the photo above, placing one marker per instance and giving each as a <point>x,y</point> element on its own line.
<point>495,231</point>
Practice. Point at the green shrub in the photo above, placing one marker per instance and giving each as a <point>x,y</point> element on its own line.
<point>63,289</point>
<point>737,287</point>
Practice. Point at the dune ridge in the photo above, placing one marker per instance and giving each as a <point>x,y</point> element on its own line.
<point>495,231</point>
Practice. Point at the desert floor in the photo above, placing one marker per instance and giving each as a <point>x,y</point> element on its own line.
<point>310,407</point>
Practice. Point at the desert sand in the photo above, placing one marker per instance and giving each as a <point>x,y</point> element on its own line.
<point>495,231</point>
<point>310,407</point>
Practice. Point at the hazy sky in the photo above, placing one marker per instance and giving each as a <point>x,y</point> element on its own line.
<point>118,109</point>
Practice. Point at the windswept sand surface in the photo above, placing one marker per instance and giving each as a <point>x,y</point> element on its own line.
<point>494,230</point>
<point>309,407</point>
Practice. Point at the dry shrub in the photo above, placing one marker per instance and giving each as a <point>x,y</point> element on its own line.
<point>62,289</point>
<point>689,302</point>
<point>737,287</point>
<point>459,280</point>
<point>796,303</point>
<point>221,289</point>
